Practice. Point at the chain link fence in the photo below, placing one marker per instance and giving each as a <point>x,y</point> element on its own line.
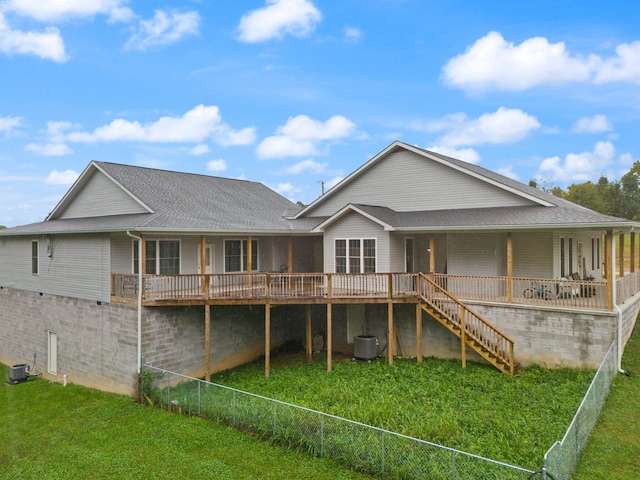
<point>561,459</point>
<point>361,447</point>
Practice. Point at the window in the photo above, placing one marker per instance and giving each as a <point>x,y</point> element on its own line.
<point>235,255</point>
<point>595,253</point>
<point>408,255</point>
<point>162,256</point>
<point>355,255</point>
<point>566,257</point>
<point>35,260</point>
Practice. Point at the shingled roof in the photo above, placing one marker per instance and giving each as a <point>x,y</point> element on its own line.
<point>179,202</point>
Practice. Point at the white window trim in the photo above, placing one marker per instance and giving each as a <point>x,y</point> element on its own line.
<point>362,256</point>
<point>157,241</point>
<point>37,242</point>
<point>243,268</point>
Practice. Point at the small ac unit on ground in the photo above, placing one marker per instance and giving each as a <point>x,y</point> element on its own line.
<point>19,373</point>
<point>365,347</point>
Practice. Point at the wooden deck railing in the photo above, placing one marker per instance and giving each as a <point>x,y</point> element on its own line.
<point>529,291</point>
<point>627,287</point>
<point>263,286</point>
<point>471,325</point>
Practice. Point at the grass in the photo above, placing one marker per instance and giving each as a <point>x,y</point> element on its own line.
<point>48,431</point>
<point>477,410</point>
<point>613,449</point>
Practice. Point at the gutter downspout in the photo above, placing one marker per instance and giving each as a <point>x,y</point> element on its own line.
<point>619,313</point>
<point>139,352</point>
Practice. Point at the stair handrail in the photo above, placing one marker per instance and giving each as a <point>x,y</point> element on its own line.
<point>468,323</point>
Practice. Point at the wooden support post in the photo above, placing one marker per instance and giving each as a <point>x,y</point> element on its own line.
<point>418,333</point>
<point>249,254</point>
<point>267,339</point>
<point>632,253</point>
<point>621,254</point>
<point>509,267</point>
<point>329,340</point>
<point>309,334</point>
<point>608,267</point>
<point>144,255</point>
<point>290,255</point>
<point>463,337</point>
<point>432,254</point>
<point>207,342</point>
<point>391,337</point>
<point>203,265</point>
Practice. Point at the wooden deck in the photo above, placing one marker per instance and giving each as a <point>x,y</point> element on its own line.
<point>310,288</point>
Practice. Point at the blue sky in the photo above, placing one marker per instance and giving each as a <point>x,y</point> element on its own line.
<point>293,93</point>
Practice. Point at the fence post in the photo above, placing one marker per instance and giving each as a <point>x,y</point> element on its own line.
<point>322,435</point>
<point>199,399</point>
<point>382,447</point>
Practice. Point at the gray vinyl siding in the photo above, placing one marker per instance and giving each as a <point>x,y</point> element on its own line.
<point>78,267</point>
<point>532,255</point>
<point>405,181</point>
<point>397,258</point>
<point>482,254</point>
<point>100,197</point>
<point>353,225</point>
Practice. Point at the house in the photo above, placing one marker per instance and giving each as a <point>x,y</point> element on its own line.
<point>428,254</point>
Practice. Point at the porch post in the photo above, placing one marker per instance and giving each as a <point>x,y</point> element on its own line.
<point>463,338</point>
<point>391,339</point>
<point>632,253</point>
<point>329,342</point>
<point>267,339</point>
<point>432,254</point>
<point>144,254</point>
<point>290,255</point>
<point>509,267</point>
<point>249,255</point>
<point>203,263</point>
<point>608,267</point>
<point>207,342</point>
<point>308,329</point>
<point>621,254</point>
<point>418,332</point>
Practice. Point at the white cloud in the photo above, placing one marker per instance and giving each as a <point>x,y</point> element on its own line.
<point>62,178</point>
<point>595,124</point>
<point>8,125</point>
<point>352,34</point>
<point>624,67</point>
<point>508,172</point>
<point>197,125</point>
<point>579,167</point>
<point>286,188</point>
<point>505,125</point>
<point>308,165</point>
<point>301,136</point>
<point>492,63</point>
<point>163,29</point>
<point>61,10</point>
<point>217,165</point>
<point>46,44</point>
<point>49,149</point>
<point>199,149</point>
<point>277,18</point>
<point>332,183</point>
<point>465,154</point>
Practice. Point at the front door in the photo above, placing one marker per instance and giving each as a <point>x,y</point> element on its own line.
<point>209,260</point>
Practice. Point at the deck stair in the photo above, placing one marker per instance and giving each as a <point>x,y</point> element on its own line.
<point>482,337</point>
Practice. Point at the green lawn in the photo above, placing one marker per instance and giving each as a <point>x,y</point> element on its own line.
<point>477,409</point>
<point>48,431</point>
<point>51,431</point>
<point>613,450</point>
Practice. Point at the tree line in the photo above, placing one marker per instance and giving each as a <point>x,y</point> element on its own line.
<point>618,198</point>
